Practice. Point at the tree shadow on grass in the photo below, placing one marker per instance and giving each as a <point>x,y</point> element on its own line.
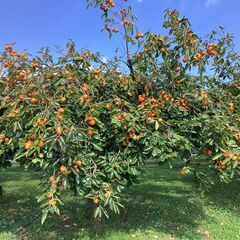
<point>160,203</point>
<point>163,209</point>
<point>225,196</point>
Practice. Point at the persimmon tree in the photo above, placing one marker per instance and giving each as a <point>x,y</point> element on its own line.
<point>90,126</point>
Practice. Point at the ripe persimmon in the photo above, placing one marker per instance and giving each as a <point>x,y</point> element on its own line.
<point>203,94</point>
<point>85,88</point>
<point>79,162</point>
<point>208,152</point>
<point>115,30</point>
<point>183,172</point>
<point>34,100</point>
<point>7,98</point>
<point>231,107</point>
<point>234,158</point>
<point>163,51</point>
<point>107,194</point>
<point>90,132</point>
<point>222,166</point>
<point>41,121</point>
<point>117,100</point>
<point>63,99</point>
<point>63,169</point>
<point>185,59</point>
<point>21,97</point>
<point>92,122</point>
<point>28,144</point>
<point>95,201</point>
<point>59,117</point>
<point>139,35</point>
<point>108,106</point>
<point>61,110</point>
<point>49,195</point>
<point>237,136</point>
<point>9,47</point>
<point>160,120</point>
<point>34,64</point>
<point>2,136</point>
<point>52,179</point>
<point>204,103</point>
<point>58,130</point>
<point>41,143</point>
<point>141,98</point>
<point>226,154</point>
<point>53,203</point>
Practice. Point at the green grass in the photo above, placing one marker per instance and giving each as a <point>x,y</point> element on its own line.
<point>164,206</point>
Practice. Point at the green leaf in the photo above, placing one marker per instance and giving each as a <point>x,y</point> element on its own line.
<point>44,216</point>
<point>43,196</point>
<point>97,147</point>
<point>156,125</point>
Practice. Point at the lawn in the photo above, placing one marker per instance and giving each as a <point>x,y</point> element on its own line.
<point>164,205</point>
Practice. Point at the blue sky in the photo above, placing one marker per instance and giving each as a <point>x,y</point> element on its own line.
<point>39,23</point>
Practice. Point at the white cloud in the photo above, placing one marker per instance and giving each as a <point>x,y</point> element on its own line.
<point>139,0</point>
<point>104,59</point>
<point>210,3</point>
